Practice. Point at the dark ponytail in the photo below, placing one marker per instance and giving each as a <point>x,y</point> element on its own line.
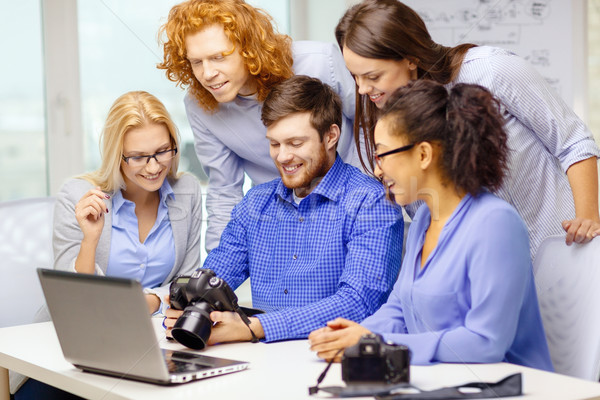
<point>466,122</point>
<point>478,157</point>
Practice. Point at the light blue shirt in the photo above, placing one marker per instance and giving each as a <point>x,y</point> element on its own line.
<point>475,299</point>
<point>232,141</point>
<point>545,138</point>
<point>335,254</point>
<point>149,262</point>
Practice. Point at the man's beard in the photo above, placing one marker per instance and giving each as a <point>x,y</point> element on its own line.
<point>317,170</point>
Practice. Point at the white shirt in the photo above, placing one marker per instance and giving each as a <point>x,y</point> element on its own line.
<point>545,138</point>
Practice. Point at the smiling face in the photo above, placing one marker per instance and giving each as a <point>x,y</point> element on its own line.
<point>399,172</point>
<point>224,75</point>
<point>146,140</point>
<point>378,78</point>
<point>298,152</point>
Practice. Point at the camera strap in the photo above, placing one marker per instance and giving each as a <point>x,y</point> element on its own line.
<point>507,387</point>
<point>365,390</point>
<point>314,389</point>
<point>246,320</point>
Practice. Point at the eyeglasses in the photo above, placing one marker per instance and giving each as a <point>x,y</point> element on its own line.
<point>160,157</point>
<point>378,157</point>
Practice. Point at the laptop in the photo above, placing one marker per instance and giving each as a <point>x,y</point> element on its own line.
<point>103,326</point>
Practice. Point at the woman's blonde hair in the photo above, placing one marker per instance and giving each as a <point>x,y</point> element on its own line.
<point>267,54</point>
<point>131,110</point>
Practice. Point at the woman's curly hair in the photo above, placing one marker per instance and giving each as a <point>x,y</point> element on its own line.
<point>466,121</point>
<point>267,54</point>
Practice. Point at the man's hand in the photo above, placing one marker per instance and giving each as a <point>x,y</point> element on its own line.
<point>580,230</point>
<point>337,335</point>
<point>229,327</point>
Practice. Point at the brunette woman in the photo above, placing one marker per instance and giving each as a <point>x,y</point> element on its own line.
<point>466,291</point>
<point>552,177</point>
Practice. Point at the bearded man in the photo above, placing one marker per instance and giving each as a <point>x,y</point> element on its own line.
<point>320,241</point>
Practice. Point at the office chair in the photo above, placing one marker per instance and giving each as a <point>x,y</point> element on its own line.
<point>26,244</point>
<point>567,280</point>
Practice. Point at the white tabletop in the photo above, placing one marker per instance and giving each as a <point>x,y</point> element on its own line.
<point>282,370</point>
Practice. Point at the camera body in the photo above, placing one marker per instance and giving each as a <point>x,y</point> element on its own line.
<point>372,360</point>
<point>198,295</point>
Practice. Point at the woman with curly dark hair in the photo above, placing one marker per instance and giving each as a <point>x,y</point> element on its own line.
<point>552,179</point>
<point>465,292</point>
<point>229,55</point>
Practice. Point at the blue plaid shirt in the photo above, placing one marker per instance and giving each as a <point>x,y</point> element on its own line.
<point>336,254</point>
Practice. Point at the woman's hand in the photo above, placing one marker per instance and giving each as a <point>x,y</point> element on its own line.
<point>580,230</point>
<point>171,316</point>
<point>153,302</point>
<point>337,335</point>
<point>89,212</point>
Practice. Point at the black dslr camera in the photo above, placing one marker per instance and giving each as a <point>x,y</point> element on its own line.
<point>198,295</point>
<point>372,360</point>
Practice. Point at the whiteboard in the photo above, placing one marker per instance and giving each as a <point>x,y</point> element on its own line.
<point>550,34</point>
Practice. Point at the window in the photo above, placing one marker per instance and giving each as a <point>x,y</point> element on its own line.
<point>118,52</point>
<point>23,161</point>
<point>594,67</point>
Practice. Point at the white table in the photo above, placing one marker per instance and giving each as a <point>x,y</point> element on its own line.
<point>281,370</point>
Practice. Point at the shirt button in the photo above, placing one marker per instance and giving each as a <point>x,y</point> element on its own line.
<point>301,219</point>
<point>285,291</point>
<point>295,257</point>
<point>142,266</point>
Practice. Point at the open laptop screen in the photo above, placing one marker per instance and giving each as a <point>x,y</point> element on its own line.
<point>103,325</point>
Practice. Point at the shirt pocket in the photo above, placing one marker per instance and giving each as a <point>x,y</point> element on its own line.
<point>436,311</point>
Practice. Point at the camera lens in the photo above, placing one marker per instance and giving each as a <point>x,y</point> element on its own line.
<point>192,329</point>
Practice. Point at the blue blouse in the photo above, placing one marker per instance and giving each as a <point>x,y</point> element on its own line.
<point>149,262</point>
<point>475,299</point>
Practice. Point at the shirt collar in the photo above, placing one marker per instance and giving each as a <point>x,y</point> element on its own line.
<point>165,192</point>
<point>331,186</point>
<point>460,210</point>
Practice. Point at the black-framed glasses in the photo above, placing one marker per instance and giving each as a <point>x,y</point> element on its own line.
<point>378,157</point>
<point>160,157</point>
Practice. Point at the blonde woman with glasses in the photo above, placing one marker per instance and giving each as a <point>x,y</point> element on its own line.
<point>135,216</point>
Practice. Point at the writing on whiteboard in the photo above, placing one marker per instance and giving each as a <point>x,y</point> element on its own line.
<point>539,31</point>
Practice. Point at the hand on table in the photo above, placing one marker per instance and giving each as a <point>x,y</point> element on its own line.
<point>337,335</point>
<point>229,327</point>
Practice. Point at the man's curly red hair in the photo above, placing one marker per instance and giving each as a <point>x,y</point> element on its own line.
<point>266,53</point>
